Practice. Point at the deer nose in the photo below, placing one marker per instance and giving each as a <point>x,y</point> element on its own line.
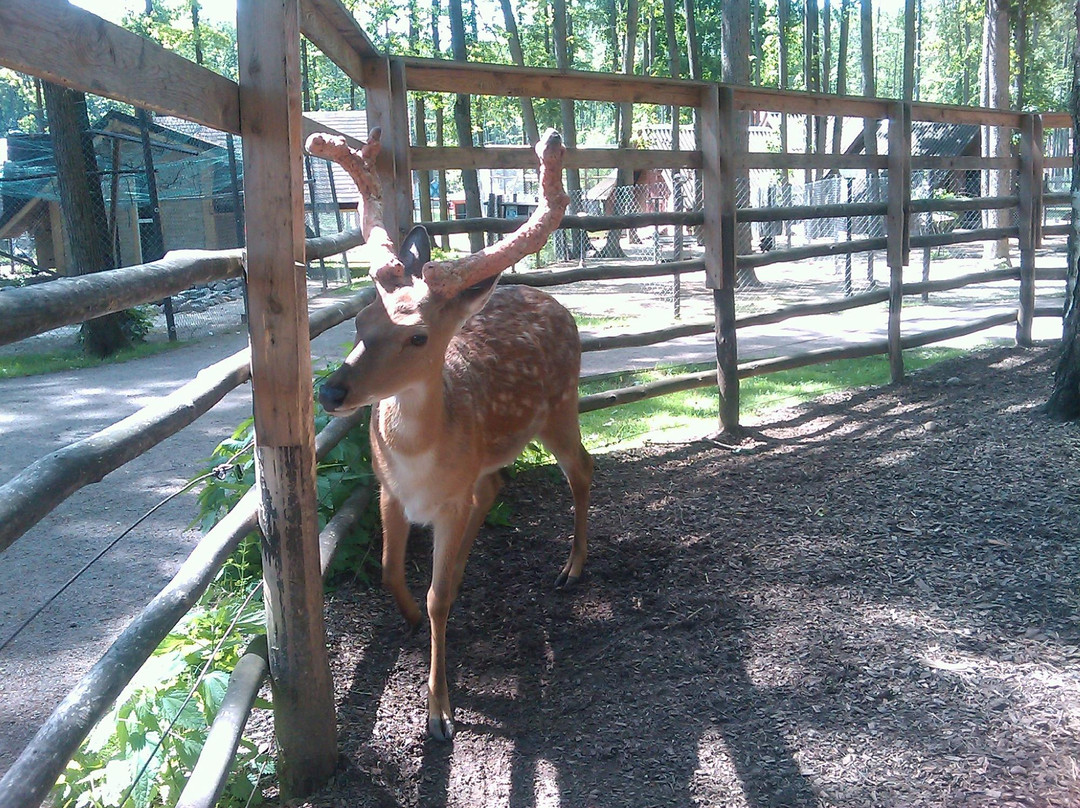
<point>332,397</point>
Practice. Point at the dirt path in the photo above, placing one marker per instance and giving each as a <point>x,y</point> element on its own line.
<point>873,603</point>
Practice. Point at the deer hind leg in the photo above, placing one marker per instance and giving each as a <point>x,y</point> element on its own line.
<point>454,537</point>
<point>395,540</point>
<point>562,436</point>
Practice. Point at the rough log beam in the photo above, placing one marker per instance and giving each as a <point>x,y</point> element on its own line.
<point>429,158</point>
<point>67,45</point>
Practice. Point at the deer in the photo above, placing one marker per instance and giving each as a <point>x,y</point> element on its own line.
<point>461,374</point>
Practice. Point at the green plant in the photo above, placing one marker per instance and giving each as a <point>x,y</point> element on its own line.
<point>142,752</point>
<point>18,365</point>
<point>345,467</point>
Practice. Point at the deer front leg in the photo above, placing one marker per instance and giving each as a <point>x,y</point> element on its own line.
<point>454,536</point>
<point>395,540</point>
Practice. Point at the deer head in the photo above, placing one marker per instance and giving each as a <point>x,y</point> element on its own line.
<point>422,303</point>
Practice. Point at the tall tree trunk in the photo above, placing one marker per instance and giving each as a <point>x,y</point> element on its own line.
<point>625,125</point>
<point>674,70</point>
<point>563,60</point>
<point>783,15</point>
<point>995,94</point>
<point>528,114</point>
<point>1021,53</point>
<point>196,31</point>
<point>82,207</point>
<point>812,74</point>
<point>841,71</point>
<point>463,125</point>
<point>1064,402</point>
<point>866,28</point>
<point>735,62</point>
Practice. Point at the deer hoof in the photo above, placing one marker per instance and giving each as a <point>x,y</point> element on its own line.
<point>440,728</point>
<point>566,580</point>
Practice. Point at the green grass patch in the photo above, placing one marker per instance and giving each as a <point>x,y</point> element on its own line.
<point>17,365</point>
<point>696,411</point>
<point>598,321</point>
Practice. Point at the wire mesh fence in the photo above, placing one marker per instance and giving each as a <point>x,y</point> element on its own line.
<point>163,184</point>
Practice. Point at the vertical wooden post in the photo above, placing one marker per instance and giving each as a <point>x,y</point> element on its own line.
<point>897,224</point>
<point>1029,186</point>
<point>268,44</point>
<point>387,108</point>
<point>718,234</point>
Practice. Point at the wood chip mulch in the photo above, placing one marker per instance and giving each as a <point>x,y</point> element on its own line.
<point>872,602</point>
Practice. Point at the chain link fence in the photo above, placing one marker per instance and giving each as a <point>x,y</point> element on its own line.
<point>165,184</point>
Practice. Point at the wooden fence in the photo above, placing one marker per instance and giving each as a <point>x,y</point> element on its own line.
<point>64,44</point>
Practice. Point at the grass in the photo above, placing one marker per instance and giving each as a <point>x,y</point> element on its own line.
<point>695,411</point>
<point>17,365</point>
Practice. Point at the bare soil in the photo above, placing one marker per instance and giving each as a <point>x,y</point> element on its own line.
<point>871,601</point>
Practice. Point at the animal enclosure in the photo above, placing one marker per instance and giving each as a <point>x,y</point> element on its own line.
<point>718,237</point>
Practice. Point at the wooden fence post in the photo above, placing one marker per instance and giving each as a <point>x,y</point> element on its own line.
<point>387,107</point>
<point>897,226</point>
<point>718,233</point>
<point>268,44</point>
<point>1029,190</point>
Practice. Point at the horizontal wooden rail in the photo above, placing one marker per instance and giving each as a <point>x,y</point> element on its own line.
<point>803,103</point>
<point>1056,229</point>
<point>607,342</point>
<point>962,204</point>
<point>29,310</point>
<point>601,273</point>
<point>960,281</point>
<point>812,251</point>
<point>64,44</point>
<point>211,773</point>
<point>29,779</point>
<point>1058,198</point>
<point>439,76</point>
<point>429,158</point>
<point>964,236</point>
<point>937,162</point>
<point>798,160</point>
<point>688,218</point>
<point>28,497</point>
<point>1057,162</point>
<point>780,213</point>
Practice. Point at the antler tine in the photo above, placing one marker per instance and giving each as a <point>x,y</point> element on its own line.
<point>446,278</point>
<point>386,268</point>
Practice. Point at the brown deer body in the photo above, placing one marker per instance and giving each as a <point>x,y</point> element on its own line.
<point>460,376</point>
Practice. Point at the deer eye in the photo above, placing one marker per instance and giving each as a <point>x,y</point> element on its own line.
<point>418,340</point>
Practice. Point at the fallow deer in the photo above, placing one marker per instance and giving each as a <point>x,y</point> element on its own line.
<point>461,375</point>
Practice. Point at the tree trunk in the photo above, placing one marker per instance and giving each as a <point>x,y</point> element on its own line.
<point>866,25</point>
<point>82,207</point>
<point>841,71</point>
<point>528,114</point>
<point>196,31</point>
<point>463,124</point>
<point>1064,402</point>
<point>995,94</point>
<point>1021,53</point>
<point>625,125</point>
<point>735,62</point>
<point>812,75</point>
<point>563,60</point>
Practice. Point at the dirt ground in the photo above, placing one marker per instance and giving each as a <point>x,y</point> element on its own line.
<point>872,601</point>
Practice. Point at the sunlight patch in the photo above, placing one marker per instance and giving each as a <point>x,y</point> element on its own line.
<point>546,785</point>
<point>716,780</point>
<point>484,776</point>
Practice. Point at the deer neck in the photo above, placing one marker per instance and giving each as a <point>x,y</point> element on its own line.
<point>409,419</point>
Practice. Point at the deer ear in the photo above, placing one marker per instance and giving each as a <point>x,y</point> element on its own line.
<point>416,251</point>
